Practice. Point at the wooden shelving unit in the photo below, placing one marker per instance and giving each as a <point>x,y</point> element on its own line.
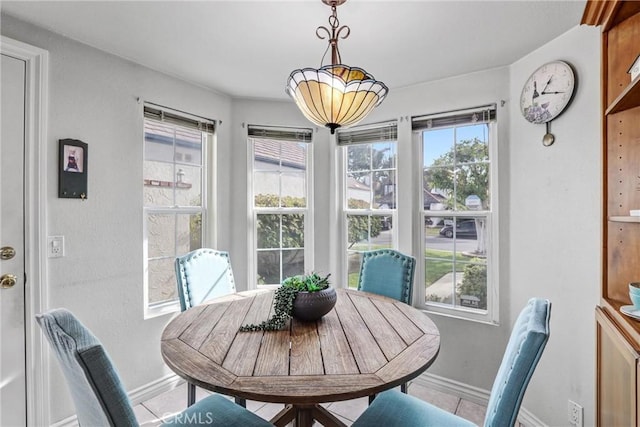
<point>629,98</point>
<point>624,219</point>
<point>618,336</point>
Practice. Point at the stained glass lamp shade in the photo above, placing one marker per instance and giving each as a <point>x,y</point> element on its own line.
<point>335,95</point>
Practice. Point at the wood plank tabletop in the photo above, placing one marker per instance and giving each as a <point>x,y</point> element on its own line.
<point>365,345</point>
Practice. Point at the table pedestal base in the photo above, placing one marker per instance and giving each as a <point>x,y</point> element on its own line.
<point>304,415</point>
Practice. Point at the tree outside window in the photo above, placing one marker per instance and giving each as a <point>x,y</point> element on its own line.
<point>370,201</point>
<point>456,172</point>
<point>281,206</point>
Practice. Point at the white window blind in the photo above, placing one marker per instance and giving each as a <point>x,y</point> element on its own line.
<point>280,133</point>
<point>178,118</point>
<point>482,114</point>
<point>376,132</point>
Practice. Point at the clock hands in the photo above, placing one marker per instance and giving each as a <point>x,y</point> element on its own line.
<point>544,89</point>
<point>547,84</point>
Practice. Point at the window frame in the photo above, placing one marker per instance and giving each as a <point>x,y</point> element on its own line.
<point>491,315</point>
<point>271,132</point>
<point>206,208</point>
<point>365,132</point>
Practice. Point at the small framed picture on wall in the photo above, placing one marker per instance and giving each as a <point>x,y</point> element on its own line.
<point>72,169</point>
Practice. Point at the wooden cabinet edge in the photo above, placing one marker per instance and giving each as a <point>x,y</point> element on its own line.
<point>629,328</point>
<point>608,13</point>
<point>606,321</point>
<point>599,12</point>
<point>605,385</point>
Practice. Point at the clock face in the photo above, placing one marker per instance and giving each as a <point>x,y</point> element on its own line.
<point>547,92</point>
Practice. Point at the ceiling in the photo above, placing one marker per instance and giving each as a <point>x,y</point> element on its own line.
<point>249,48</point>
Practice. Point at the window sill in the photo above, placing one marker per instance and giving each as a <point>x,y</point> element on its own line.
<point>461,314</point>
<point>158,310</point>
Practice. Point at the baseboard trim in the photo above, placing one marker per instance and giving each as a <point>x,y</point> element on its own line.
<point>472,394</point>
<point>154,388</point>
<point>71,421</point>
<point>138,395</point>
<point>435,382</point>
<point>456,388</point>
<point>526,418</point>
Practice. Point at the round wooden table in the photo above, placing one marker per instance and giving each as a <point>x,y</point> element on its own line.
<point>365,345</point>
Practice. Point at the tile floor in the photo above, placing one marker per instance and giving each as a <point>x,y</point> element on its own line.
<point>150,412</point>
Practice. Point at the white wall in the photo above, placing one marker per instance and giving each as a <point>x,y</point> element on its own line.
<point>93,98</point>
<point>549,208</point>
<point>555,229</point>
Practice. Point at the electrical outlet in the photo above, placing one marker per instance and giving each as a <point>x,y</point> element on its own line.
<point>575,414</point>
<point>55,246</point>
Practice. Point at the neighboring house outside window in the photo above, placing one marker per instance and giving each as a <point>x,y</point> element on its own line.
<point>175,149</point>
<point>369,192</point>
<point>459,268</point>
<point>281,202</point>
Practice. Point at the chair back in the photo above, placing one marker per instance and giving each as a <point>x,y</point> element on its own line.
<point>203,274</point>
<point>387,272</point>
<point>526,344</point>
<point>96,389</point>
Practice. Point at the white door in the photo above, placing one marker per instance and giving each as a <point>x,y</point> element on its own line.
<point>13,410</point>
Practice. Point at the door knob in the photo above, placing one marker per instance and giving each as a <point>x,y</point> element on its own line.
<point>8,280</point>
<point>7,252</point>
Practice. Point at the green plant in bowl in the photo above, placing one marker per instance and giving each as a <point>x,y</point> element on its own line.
<point>310,283</point>
<point>285,295</point>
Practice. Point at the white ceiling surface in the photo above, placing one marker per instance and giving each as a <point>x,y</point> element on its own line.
<point>249,48</point>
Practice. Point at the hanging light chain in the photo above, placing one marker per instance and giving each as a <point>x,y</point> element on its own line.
<point>333,35</point>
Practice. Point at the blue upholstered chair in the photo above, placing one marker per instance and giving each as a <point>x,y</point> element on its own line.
<point>389,273</point>
<point>96,389</point>
<point>528,339</point>
<point>201,275</point>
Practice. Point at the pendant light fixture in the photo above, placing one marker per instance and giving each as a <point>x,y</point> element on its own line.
<point>335,95</point>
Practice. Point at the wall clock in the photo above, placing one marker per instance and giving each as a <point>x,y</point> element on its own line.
<point>547,93</point>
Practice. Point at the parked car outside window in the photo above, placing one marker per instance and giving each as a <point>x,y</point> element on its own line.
<point>464,229</point>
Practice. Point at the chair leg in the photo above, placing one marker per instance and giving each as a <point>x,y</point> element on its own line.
<point>403,388</point>
<point>191,394</point>
<point>242,402</point>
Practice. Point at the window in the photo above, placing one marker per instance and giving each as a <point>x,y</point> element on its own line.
<point>369,192</point>
<point>457,199</point>
<point>175,209</point>
<point>282,223</point>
